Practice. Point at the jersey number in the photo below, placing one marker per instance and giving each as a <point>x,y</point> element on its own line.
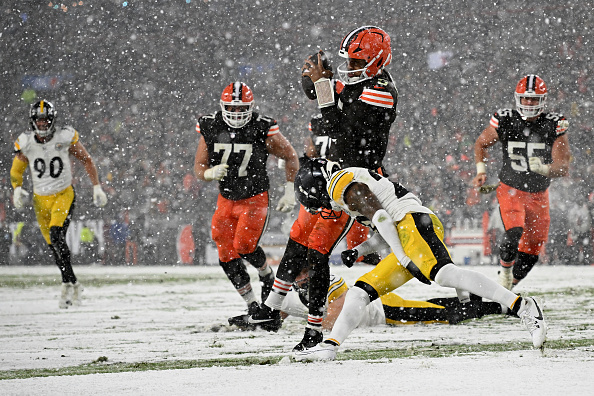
<point>519,152</point>
<point>56,166</point>
<point>323,143</point>
<point>228,148</point>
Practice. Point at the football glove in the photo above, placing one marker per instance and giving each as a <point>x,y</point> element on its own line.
<point>20,197</point>
<point>536,165</point>
<point>217,172</point>
<point>349,257</point>
<point>287,202</point>
<point>488,188</point>
<point>99,197</point>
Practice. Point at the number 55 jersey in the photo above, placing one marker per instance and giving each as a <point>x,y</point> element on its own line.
<point>522,139</point>
<point>49,162</point>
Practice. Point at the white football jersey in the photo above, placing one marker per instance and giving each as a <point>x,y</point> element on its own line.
<point>396,203</point>
<point>49,162</point>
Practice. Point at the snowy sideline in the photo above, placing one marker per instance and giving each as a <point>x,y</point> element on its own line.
<point>164,314</point>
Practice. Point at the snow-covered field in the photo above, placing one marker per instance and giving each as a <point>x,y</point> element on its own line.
<point>157,330</point>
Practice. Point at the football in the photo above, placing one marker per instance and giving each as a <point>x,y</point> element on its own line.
<point>306,83</point>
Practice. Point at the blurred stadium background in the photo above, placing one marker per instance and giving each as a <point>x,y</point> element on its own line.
<point>133,77</point>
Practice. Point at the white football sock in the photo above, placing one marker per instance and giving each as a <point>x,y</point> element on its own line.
<point>352,312</point>
<point>476,283</point>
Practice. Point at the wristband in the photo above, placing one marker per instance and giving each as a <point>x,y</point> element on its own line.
<point>480,168</point>
<point>324,92</point>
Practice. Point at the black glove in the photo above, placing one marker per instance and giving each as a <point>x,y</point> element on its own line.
<point>349,257</point>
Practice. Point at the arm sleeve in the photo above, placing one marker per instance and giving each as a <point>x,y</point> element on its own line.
<point>16,172</point>
<point>385,226</point>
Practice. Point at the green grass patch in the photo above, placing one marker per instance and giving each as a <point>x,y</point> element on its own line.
<point>102,365</point>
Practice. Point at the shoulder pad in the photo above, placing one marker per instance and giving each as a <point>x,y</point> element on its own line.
<point>504,113</point>
<point>68,133</point>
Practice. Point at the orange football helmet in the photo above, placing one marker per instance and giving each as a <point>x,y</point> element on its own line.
<point>531,86</point>
<point>369,43</point>
<point>237,103</point>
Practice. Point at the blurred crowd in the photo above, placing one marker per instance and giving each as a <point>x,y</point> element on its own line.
<point>133,80</point>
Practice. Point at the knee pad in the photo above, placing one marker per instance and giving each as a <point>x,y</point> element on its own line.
<point>293,262</point>
<point>257,258</point>
<point>509,245</point>
<point>524,263</point>
<point>236,272</point>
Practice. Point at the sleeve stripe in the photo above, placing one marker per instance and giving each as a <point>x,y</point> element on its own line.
<point>273,130</point>
<point>309,127</point>
<point>75,137</point>
<point>377,98</point>
<point>338,184</point>
<point>494,122</point>
<point>198,127</point>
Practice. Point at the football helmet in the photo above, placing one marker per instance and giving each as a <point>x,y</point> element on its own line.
<point>531,86</point>
<point>310,186</point>
<point>43,110</point>
<point>369,43</point>
<point>237,96</point>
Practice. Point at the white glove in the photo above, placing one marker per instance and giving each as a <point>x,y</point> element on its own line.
<point>20,197</point>
<point>217,172</point>
<point>535,164</point>
<point>287,202</point>
<point>99,197</point>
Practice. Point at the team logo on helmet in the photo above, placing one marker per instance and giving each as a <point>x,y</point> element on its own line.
<point>369,43</point>
<point>237,103</point>
<point>534,87</point>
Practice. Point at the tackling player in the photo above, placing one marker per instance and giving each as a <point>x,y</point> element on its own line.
<point>233,149</point>
<point>389,309</point>
<point>415,236</point>
<point>46,152</point>
<point>535,149</point>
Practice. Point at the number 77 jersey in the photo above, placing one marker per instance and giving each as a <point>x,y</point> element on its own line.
<point>522,139</point>
<point>243,149</point>
<point>49,162</point>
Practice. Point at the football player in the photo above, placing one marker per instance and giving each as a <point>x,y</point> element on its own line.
<point>46,151</point>
<point>318,144</point>
<point>415,236</point>
<point>535,149</point>
<point>233,149</point>
<point>357,111</point>
<point>389,309</point>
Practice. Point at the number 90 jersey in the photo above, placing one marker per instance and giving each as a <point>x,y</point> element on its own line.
<point>523,139</point>
<point>243,149</point>
<point>49,162</point>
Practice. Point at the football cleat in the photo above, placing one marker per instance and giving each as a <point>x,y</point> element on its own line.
<point>311,338</point>
<point>76,294</point>
<point>324,351</point>
<point>531,315</point>
<point>266,318</point>
<point>241,321</point>
<point>66,295</point>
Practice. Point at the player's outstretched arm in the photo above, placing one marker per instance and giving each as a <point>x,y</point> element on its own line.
<point>485,140</point>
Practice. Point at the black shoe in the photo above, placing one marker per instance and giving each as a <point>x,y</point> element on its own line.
<point>266,318</point>
<point>310,339</point>
<point>241,321</point>
<point>266,282</point>
<point>253,308</point>
<point>371,259</point>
